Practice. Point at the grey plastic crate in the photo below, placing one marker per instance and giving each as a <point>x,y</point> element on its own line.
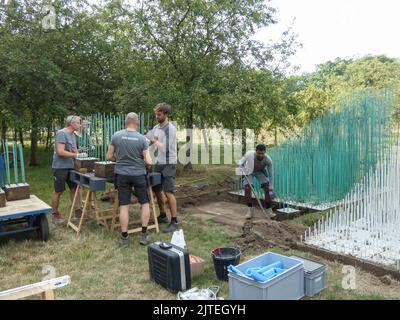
<point>314,276</point>
<point>288,285</point>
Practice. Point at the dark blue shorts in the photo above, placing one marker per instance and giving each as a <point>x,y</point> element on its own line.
<point>128,183</point>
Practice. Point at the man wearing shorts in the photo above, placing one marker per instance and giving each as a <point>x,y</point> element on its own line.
<point>257,164</point>
<point>130,150</point>
<point>163,137</point>
<point>65,152</point>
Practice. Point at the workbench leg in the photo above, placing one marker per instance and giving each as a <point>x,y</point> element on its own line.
<point>100,214</point>
<point>93,205</point>
<point>115,211</point>
<point>153,207</point>
<point>48,295</point>
<point>73,204</point>
<point>84,212</point>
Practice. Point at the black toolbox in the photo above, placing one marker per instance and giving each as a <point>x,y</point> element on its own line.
<point>169,266</point>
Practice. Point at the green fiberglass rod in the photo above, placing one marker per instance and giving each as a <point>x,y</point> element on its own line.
<point>15,161</point>
<point>7,162</point>
<point>21,158</point>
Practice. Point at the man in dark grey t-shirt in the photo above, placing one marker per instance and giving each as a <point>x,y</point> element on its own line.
<point>65,152</point>
<point>130,150</point>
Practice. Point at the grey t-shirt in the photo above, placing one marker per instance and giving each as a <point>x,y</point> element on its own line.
<point>251,164</point>
<point>167,136</point>
<point>69,139</point>
<point>129,147</point>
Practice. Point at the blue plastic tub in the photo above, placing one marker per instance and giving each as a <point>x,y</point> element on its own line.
<point>289,285</point>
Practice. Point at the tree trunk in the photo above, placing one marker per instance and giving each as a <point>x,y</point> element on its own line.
<point>34,141</point>
<point>3,130</point>
<point>244,142</point>
<point>21,137</point>
<point>276,137</point>
<point>48,140</point>
<point>189,136</point>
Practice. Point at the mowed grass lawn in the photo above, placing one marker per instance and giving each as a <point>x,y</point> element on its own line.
<point>100,269</point>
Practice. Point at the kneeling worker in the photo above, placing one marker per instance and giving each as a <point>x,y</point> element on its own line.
<point>257,164</point>
<point>129,149</point>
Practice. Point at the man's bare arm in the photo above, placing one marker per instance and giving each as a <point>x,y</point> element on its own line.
<point>60,149</point>
<point>147,158</point>
<point>111,153</point>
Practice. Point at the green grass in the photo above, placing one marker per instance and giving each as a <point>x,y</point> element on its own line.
<point>100,269</point>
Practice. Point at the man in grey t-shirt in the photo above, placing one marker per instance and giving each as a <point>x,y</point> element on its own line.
<point>163,137</point>
<point>65,151</point>
<point>257,164</point>
<point>129,149</point>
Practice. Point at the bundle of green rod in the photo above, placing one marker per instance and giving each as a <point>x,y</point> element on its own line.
<point>17,188</point>
<point>337,150</point>
<point>99,128</point>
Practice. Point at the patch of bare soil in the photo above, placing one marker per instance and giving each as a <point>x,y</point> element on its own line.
<point>259,232</point>
<point>188,195</point>
<point>266,233</point>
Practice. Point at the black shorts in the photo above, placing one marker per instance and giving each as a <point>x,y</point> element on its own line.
<point>61,176</point>
<point>168,174</point>
<point>125,185</point>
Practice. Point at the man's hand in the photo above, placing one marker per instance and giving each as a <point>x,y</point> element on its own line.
<point>154,141</point>
<point>240,171</point>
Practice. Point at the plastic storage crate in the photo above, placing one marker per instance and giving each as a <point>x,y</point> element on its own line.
<point>314,276</point>
<point>288,285</point>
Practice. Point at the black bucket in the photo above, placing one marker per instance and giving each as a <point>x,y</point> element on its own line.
<point>226,257</point>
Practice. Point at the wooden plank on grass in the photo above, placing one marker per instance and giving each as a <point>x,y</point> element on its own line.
<point>44,288</point>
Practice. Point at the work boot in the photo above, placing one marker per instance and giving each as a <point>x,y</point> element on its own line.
<point>124,242</point>
<point>144,241</point>
<point>173,226</point>
<point>270,213</point>
<point>249,213</point>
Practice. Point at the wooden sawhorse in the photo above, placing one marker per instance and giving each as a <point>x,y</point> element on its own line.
<point>153,213</point>
<point>92,184</point>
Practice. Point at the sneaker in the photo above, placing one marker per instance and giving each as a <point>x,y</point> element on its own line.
<point>163,219</point>
<point>249,213</point>
<point>144,241</point>
<point>57,217</point>
<point>124,242</point>
<point>173,226</point>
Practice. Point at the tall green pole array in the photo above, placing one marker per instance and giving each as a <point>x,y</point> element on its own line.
<point>337,150</point>
<point>100,128</point>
